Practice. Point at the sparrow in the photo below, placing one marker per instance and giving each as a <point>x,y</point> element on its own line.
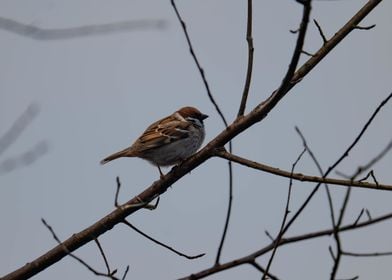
<point>168,141</point>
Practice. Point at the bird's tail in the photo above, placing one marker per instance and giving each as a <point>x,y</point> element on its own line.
<point>124,153</point>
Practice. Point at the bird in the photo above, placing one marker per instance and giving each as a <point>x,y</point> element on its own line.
<point>168,141</point>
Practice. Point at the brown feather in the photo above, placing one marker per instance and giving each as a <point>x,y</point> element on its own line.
<point>124,153</point>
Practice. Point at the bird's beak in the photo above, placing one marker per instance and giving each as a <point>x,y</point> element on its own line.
<point>203,117</point>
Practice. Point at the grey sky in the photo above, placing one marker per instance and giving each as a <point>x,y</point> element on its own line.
<point>97,94</point>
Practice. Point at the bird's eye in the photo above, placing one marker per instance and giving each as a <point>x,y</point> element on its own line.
<point>195,121</point>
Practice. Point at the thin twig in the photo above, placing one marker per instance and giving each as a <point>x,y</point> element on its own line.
<point>160,243</point>
<point>125,273</point>
<point>330,250</point>
<point>370,173</point>
<point>249,39</point>
<point>228,215</point>
<point>262,270</point>
<point>376,254</point>
<point>109,272</point>
<point>117,192</point>
<point>318,165</point>
<point>198,65</point>
<point>320,30</point>
<point>269,235</point>
<point>307,53</point>
<point>285,215</point>
<point>377,158</point>
<point>359,216</point>
<point>365,27</point>
<point>368,214</point>
<point>220,113</point>
<point>108,275</point>
<point>141,203</point>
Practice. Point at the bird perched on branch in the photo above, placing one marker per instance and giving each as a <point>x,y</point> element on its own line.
<point>168,141</point>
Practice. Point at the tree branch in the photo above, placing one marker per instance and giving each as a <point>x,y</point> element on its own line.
<point>38,33</point>
<point>299,176</point>
<point>285,241</point>
<point>249,39</point>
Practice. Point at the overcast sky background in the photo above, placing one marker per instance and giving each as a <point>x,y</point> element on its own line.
<point>97,94</point>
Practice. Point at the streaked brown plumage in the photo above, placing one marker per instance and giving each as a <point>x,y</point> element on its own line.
<point>169,140</point>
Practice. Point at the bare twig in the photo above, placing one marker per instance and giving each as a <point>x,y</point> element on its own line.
<point>365,27</point>
<point>108,274</point>
<point>220,113</point>
<point>377,158</point>
<point>376,254</point>
<point>228,214</point>
<point>352,278</point>
<point>318,165</point>
<point>140,202</point>
<point>368,214</point>
<point>269,235</point>
<point>160,243</point>
<point>338,242</point>
<point>330,250</point>
<point>359,216</point>
<point>307,53</point>
<point>320,30</point>
<point>370,173</point>
<point>262,270</point>
<point>38,33</point>
<point>125,273</point>
<point>198,65</point>
<point>117,192</point>
<point>249,39</point>
<point>286,213</point>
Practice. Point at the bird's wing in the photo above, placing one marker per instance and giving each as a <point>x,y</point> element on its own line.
<point>161,133</point>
